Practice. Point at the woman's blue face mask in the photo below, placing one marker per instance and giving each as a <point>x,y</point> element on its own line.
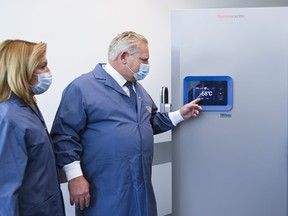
<point>43,83</point>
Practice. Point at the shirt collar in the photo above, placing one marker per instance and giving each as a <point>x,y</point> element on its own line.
<point>115,74</point>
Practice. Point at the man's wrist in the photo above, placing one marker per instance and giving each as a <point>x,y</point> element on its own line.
<point>175,117</point>
<point>72,170</point>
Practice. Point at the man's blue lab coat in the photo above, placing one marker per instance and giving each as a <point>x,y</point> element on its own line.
<point>97,124</point>
<point>28,179</point>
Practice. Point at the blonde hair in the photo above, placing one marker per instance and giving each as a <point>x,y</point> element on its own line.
<point>18,61</point>
<point>125,42</point>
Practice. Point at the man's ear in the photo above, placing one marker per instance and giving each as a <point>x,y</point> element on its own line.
<point>124,56</point>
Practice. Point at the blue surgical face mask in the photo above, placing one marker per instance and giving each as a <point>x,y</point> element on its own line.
<point>142,73</point>
<point>44,82</point>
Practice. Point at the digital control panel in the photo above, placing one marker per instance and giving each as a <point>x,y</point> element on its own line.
<point>215,92</point>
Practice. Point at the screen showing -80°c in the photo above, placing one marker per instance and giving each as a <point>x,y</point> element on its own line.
<point>215,92</point>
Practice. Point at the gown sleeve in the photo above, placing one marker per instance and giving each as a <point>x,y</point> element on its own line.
<point>13,161</point>
<point>68,125</point>
<point>160,121</point>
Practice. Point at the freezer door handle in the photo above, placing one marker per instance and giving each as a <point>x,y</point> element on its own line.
<point>165,106</point>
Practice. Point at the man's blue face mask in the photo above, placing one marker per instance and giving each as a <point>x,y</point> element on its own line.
<point>142,73</point>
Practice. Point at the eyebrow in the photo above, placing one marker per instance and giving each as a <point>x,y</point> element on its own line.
<point>43,64</point>
<point>144,59</point>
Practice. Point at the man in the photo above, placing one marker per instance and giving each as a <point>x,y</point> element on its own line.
<point>104,141</point>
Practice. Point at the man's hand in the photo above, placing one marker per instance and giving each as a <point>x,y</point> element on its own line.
<point>191,109</point>
<point>79,192</point>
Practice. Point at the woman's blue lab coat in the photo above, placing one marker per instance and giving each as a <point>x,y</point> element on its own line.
<point>28,179</point>
<point>97,124</point>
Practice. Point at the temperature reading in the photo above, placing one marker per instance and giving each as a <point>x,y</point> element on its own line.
<point>206,93</point>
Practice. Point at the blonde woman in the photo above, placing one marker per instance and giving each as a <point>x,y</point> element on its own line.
<point>28,181</point>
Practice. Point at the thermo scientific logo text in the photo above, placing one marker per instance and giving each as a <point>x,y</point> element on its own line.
<point>230,16</point>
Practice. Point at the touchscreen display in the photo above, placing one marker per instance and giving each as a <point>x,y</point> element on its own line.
<point>215,92</point>
<point>210,92</point>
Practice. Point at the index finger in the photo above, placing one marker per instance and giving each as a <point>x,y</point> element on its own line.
<point>71,200</point>
<point>196,100</point>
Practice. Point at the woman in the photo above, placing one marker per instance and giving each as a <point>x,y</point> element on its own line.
<point>28,181</point>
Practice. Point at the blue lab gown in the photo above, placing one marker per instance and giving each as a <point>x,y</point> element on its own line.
<point>97,124</point>
<point>28,179</point>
